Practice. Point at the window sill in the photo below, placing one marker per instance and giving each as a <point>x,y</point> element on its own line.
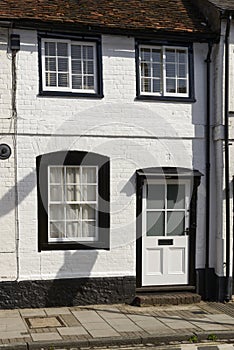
<point>69,94</point>
<point>165,98</point>
<point>74,246</point>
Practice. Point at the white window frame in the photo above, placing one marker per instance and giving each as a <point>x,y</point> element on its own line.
<point>69,88</point>
<point>64,202</point>
<point>163,71</point>
<point>165,210</point>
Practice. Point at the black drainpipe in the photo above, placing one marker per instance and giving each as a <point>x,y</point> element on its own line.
<point>208,61</point>
<point>227,295</point>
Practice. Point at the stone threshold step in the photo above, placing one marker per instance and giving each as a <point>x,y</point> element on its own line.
<point>160,298</point>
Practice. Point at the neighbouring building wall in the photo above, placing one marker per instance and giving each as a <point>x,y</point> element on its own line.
<point>218,136</point>
<point>231,134</point>
<point>134,134</point>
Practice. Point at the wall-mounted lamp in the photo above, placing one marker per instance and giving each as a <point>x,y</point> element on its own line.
<point>15,42</point>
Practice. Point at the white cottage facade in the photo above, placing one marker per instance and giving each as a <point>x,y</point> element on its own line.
<point>104,192</point>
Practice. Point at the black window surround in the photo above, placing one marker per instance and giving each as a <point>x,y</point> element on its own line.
<point>168,44</point>
<point>74,158</point>
<point>95,41</point>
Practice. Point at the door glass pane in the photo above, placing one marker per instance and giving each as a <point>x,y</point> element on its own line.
<point>155,197</point>
<point>175,196</point>
<point>155,224</point>
<point>175,223</point>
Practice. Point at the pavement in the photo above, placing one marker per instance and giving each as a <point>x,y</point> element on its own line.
<point>113,326</point>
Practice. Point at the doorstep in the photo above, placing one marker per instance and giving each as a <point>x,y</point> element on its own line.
<point>165,298</point>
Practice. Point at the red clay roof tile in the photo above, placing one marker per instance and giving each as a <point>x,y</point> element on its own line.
<point>157,15</point>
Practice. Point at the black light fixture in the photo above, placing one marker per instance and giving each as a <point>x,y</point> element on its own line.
<point>5,151</point>
<point>15,42</point>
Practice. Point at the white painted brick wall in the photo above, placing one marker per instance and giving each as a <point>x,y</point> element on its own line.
<point>133,134</point>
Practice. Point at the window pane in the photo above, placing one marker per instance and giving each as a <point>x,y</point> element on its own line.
<point>57,229</point>
<point>89,193</point>
<point>73,193</point>
<point>175,223</point>
<point>57,212</point>
<point>62,64</point>
<point>50,49</point>
<point>73,212</point>
<point>155,224</point>
<point>145,69</point>
<point>156,70</point>
<point>182,71</point>
<point>88,82</point>
<point>72,175</point>
<point>56,175</point>
<point>62,49</point>
<point>56,193</point>
<point>156,55</point>
<point>51,79</point>
<point>171,85</point>
<point>156,197</point>
<point>145,54</point>
<point>76,67</point>
<point>182,56</point>
<point>89,229</point>
<point>156,85</point>
<point>89,175</point>
<point>170,70</point>
<point>63,80</point>
<point>88,67</point>
<point>170,55</point>
<point>182,86</point>
<point>88,52</point>
<point>88,212</point>
<point>76,51</point>
<point>73,229</point>
<point>50,64</point>
<point>176,196</point>
<point>76,82</point>
<point>145,85</point>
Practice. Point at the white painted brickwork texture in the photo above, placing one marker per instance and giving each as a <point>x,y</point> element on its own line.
<point>133,134</point>
<point>7,192</point>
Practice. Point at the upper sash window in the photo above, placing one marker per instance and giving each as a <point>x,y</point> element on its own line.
<point>164,71</point>
<point>70,66</point>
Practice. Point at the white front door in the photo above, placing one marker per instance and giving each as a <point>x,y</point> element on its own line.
<point>165,239</point>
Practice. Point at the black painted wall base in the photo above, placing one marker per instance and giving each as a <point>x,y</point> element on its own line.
<point>212,287</point>
<point>67,292</point>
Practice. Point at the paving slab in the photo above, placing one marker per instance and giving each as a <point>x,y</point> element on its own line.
<point>32,312</point>
<point>12,334</point>
<point>12,324</point>
<point>103,333</point>
<point>45,336</point>
<point>87,316</point>
<point>53,311</point>
<point>72,331</point>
